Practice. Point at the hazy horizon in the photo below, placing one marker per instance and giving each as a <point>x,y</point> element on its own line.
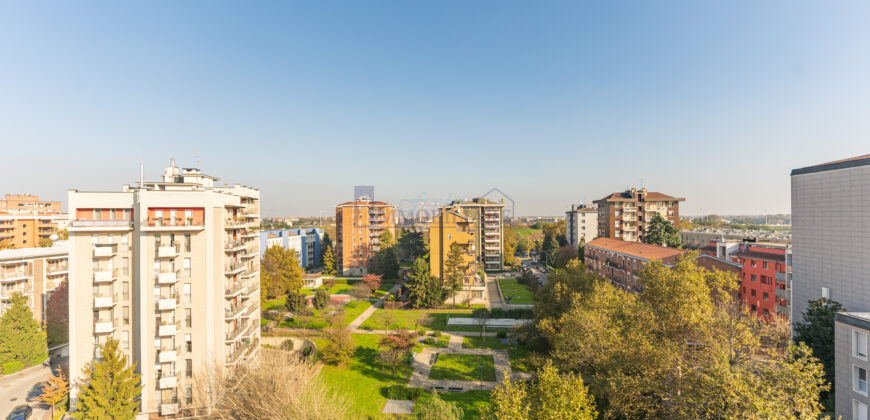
<point>552,103</point>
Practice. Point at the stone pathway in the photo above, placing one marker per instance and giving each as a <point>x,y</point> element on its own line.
<point>354,326</point>
<point>398,407</point>
<point>423,362</point>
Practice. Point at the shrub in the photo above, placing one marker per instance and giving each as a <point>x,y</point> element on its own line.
<point>296,302</point>
<point>436,333</point>
<point>321,299</point>
<point>501,334</point>
<point>329,282</point>
<point>430,340</point>
<point>333,355</point>
<point>12,367</point>
<point>287,345</point>
<point>497,313</point>
<point>402,392</point>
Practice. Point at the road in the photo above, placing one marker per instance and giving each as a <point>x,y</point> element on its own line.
<point>14,389</point>
<point>540,275</point>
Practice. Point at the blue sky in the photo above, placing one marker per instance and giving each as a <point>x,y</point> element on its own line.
<point>552,102</point>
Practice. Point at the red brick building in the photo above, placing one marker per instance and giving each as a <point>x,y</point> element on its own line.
<point>621,261</point>
<point>762,275</point>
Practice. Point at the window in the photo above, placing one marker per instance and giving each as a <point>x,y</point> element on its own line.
<point>186,292</point>
<point>187,242</point>
<point>765,296</point>
<point>187,343</point>
<point>126,315</point>
<point>753,292</point>
<point>125,242</point>
<point>765,265</point>
<point>859,382</point>
<point>188,318</point>
<point>752,277</point>
<point>859,410</point>
<point>188,368</point>
<point>188,394</point>
<point>859,344</point>
<point>125,266</point>
<point>186,264</point>
<point>766,312</point>
<point>826,292</point>
<point>125,340</point>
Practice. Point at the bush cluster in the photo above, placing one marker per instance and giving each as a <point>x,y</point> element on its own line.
<point>402,392</point>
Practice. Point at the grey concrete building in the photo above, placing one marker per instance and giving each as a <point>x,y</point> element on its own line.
<point>851,330</point>
<point>830,206</point>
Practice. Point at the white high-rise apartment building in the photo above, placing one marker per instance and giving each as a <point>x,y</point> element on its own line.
<point>170,269</point>
<point>581,224</point>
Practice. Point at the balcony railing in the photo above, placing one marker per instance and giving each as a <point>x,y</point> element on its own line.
<point>15,275</point>
<point>230,313</point>
<point>103,275</point>
<point>105,250</point>
<point>234,289</point>
<point>168,277</point>
<point>102,223</point>
<point>168,251</point>
<point>233,245</point>
<point>105,300</point>
<point>56,268</point>
<point>234,334</point>
<point>233,267</point>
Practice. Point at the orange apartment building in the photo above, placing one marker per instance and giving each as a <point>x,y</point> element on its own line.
<point>24,220</point>
<point>33,272</point>
<point>625,215</point>
<point>359,225</point>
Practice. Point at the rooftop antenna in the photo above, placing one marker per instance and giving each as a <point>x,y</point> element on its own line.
<point>141,175</point>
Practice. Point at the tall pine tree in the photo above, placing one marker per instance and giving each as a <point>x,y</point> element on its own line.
<point>113,389</point>
<point>22,342</point>
<point>328,261</point>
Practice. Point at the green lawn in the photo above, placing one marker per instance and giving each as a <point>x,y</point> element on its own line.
<point>318,320</point>
<point>362,380</point>
<point>518,354</point>
<point>440,342</point>
<point>436,319</point>
<point>473,403</point>
<point>521,292</point>
<point>463,367</point>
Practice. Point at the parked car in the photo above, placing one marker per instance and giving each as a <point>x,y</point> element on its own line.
<point>22,412</point>
<point>35,392</point>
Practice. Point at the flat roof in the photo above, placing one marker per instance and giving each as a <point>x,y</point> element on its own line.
<point>852,162</point>
<point>59,248</point>
<point>855,319</point>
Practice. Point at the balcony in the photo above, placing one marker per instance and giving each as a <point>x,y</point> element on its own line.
<point>15,275</point>
<point>105,326</point>
<point>168,251</point>
<point>237,223</point>
<point>234,334</point>
<point>52,269</point>
<point>780,276</point>
<point>234,246</point>
<point>105,301</point>
<point>167,330</point>
<point>250,331</point>
<point>167,303</point>
<point>234,290</point>
<point>252,308</point>
<point>105,250</point>
<point>251,272</point>
<point>102,224</point>
<point>233,268</point>
<point>253,287</point>
<point>168,381</point>
<point>168,409</point>
<point>781,293</point>
<point>492,248</point>
<point>230,313</point>
<point>104,275</point>
<point>167,277</point>
<point>167,356</point>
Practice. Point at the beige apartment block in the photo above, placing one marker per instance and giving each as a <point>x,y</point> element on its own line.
<point>359,226</point>
<point>626,215</point>
<point>33,272</point>
<point>170,269</point>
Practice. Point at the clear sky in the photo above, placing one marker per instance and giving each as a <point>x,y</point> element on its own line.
<point>552,102</point>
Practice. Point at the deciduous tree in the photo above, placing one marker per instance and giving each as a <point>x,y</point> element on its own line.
<point>394,349</point>
<point>549,396</point>
<point>55,391</point>
<point>373,281</point>
<point>113,388</point>
<point>281,271</point>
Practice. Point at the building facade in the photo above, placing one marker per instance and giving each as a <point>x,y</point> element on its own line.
<point>701,237</point>
<point>830,239</point>
<point>581,224</point>
<point>306,242</point>
<point>763,286</point>
<point>359,226</point>
<point>28,204</point>
<point>487,225</point>
<point>33,272</point>
<point>625,215</point>
<point>170,269</point>
<point>449,227</point>
<point>851,331</point>
<point>26,230</point>
<point>620,262</point>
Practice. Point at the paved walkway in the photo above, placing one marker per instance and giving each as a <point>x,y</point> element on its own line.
<point>15,387</point>
<point>423,361</point>
<point>355,324</point>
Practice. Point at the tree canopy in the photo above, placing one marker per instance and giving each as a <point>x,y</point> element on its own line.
<point>681,348</point>
<point>454,270</point>
<point>662,232</point>
<point>22,342</point>
<point>113,388</point>
<point>549,396</point>
<point>281,271</point>
<point>816,330</point>
<point>57,315</point>
<point>412,245</point>
<point>424,289</point>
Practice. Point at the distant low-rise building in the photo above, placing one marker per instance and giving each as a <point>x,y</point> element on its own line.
<point>306,242</point>
<point>28,204</point>
<point>581,224</point>
<point>621,261</point>
<point>701,237</point>
<point>34,272</point>
<point>626,215</point>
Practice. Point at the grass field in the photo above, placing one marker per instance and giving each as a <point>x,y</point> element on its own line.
<point>391,319</point>
<point>463,367</point>
<point>518,354</point>
<point>318,320</point>
<point>473,403</point>
<point>516,293</point>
